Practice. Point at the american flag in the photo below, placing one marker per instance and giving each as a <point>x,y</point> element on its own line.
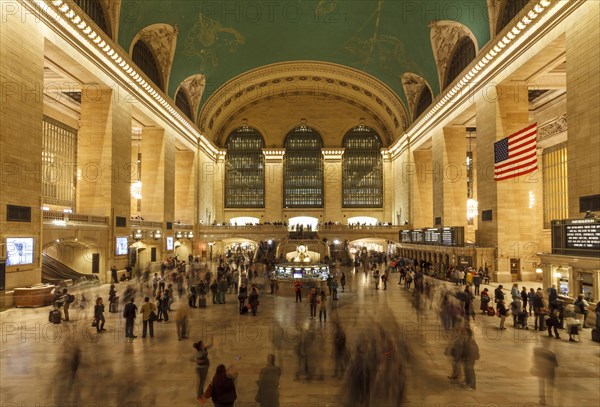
<point>515,155</point>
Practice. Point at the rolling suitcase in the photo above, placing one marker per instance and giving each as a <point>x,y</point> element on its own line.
<point>55,316</point>
<point>202,302</point>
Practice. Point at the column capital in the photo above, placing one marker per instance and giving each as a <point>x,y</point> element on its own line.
<point>221,153</point>
<point>333,154</point>
<point>274,154</point>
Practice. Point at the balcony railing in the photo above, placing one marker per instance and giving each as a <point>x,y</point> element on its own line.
<point>137,223</point>
<point>183,226</point>
<point>56,217</point>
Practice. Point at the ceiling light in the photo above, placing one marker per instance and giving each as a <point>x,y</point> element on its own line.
<point>545,3</point>
<point>57,2</point>
<point>82,25</point>
<point>87,30</point>
<point>538,9</point>
<point>510,35</point>
<point>70,14</point>
<point>76,20</point>
<point>64,8</point>
<point>516,31</point>
<point>532,15</point>
<point>520,25</point>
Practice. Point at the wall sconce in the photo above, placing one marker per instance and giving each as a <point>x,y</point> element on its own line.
<point>190,235</point>
<point>178,234</point>
<point>538,269</point>
<point>157,234</point>
<point>138,235</point>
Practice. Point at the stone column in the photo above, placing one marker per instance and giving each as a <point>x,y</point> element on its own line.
<point>421,189</point>
<point>332,210</point>
<point>273,183</point>
<point>449,154</point>
<point>215,172</point>
<point>104,162</point>
<point>21,115</point>
<point>583,106</point>
<point>388,189</point>
<point>153,174</point>
<point>185,170</point>
<point>403,167</point>
<point>502,111</point>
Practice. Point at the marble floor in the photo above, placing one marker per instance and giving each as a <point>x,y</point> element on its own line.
<point>36,357</point>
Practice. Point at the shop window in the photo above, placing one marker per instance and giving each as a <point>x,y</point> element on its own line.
<point>303,169</point>
<point>362,169</point>
<point>245,169</point>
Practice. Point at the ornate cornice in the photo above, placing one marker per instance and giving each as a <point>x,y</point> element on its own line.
<point>555,127</point>
<point>445,34</point>
<point>278,80</point>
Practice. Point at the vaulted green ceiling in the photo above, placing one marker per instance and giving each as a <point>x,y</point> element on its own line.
<point>222,39</point>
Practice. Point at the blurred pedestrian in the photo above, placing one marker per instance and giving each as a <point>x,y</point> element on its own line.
<point>268,384</point>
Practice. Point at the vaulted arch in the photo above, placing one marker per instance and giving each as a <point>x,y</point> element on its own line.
<point>462,55</point>
<point>417,91</point>
<point>161,40</point>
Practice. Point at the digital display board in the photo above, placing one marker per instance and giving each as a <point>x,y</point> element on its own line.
<point>19,250</point>
<point>579,237</point>
<point>122,247</point>
<point>451,236</point>
<point>170,243</point>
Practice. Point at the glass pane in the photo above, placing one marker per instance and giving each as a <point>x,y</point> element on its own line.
<point>245,169</point>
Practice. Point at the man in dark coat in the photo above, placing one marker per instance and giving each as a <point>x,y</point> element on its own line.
<point>268,384</point>
<point>129,314</point>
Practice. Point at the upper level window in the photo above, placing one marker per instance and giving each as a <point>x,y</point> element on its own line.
<point>144,58</point>
<point>183,103</point>
<point>94,10</point>
<point>463,54</point>
<point>245,169</point>
<point>303,169</point>
<point>509,11</point>
<point>59,153</point>
<point>362,174</point>
<point>424,101</point>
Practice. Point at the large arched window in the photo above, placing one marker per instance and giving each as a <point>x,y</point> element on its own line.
<point>424,101</point>
<point>183,103</point>
<point>303,169</point>
<point>144,58</point>
<point>362,173</point>
<point>245,169</point>
<point>510,9</point>
<point>463,54</point>
<point>94,10</point>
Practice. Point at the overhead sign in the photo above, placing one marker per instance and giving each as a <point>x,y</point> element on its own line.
<point>450,236</point>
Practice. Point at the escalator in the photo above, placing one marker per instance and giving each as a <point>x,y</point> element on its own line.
<point>53,272</point>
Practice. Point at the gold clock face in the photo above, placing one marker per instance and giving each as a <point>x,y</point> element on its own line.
<point>301,249</point>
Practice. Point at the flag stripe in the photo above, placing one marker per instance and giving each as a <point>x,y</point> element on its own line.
<point>516,155</point>
<point>523,172</point>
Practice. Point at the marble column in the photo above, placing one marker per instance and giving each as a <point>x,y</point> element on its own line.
<point>332,210</point>
<point>421,172</point>
<point>273,183</point>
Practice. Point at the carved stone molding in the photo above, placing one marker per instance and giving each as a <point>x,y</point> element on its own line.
<point>194,87</point>
<point>113,11</point>
<point>162,39</point>
<point>413,85</point>
<point>277,80</point>
<point>557,126</point>
<point>445,34</point>
<point>494,8</point>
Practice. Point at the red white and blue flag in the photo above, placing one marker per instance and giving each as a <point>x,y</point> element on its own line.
<point>515,155</point>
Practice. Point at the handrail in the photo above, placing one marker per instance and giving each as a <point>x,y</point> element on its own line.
<point>73,218</point>
<point>145,224</point>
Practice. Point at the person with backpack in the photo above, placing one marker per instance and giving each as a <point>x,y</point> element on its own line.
<point>498,295</point>
<point>148,311</point>
<point>202,365</point>
<point>485,301</point>
<point>581,308</point>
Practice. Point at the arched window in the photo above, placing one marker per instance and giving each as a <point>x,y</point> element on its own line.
<point>509,11</point>
<point>144,59</point>
<point>303,169</point>
<point>424,101</point>
<point>362,170</point>
<point>463,54</point>
<point>94,10</point>
<point>183,103</point>
<point>245,169</point>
